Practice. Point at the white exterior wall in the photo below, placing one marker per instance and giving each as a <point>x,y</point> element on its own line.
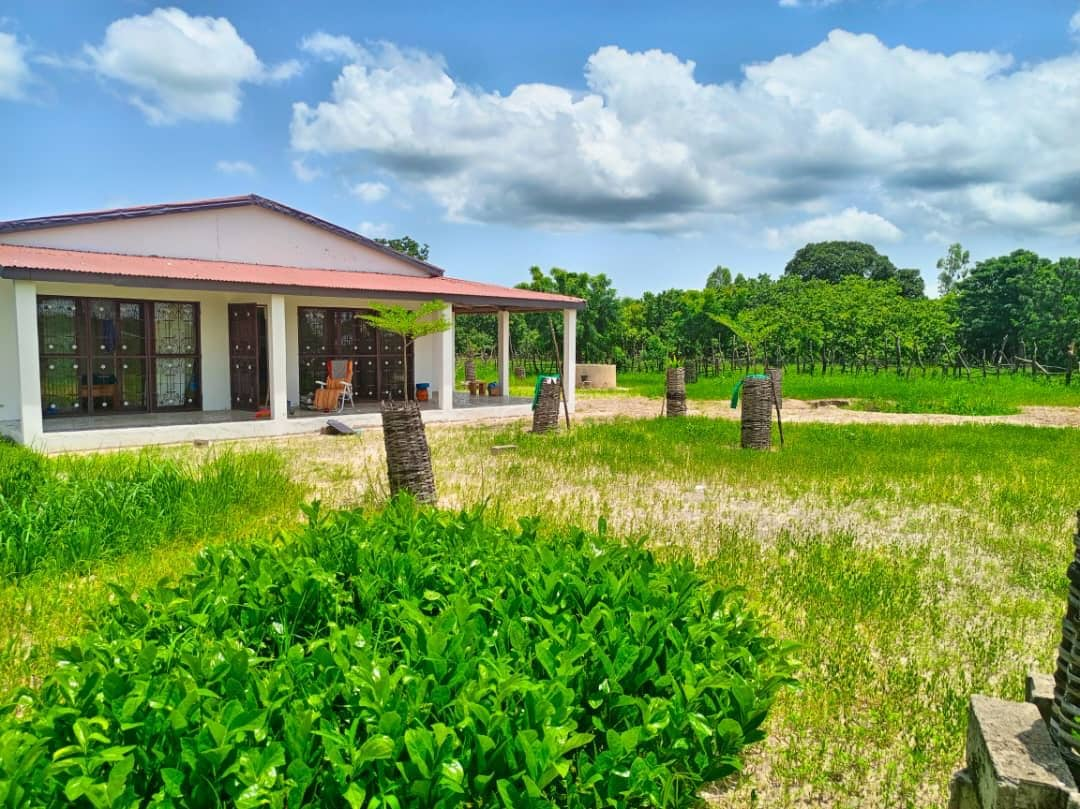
<point>249,234</point>
<point>214,336</point>
<point>9,360</point>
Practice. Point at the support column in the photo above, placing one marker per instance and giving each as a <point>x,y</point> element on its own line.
<point>276,363</point>
<point>569,342</point>
<point>26,340</point>
<point>504,352</point>
<point>445,362</point>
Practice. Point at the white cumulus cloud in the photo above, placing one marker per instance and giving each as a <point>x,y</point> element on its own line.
<point>370,191</point>
<point>374,230</point>
<point>928,140</point>
<point>332,48</point>
<point>235,167</point>
<point>181,67</point>
<point>305,173</point>
<point>851,224</point>
<point>14,72</point>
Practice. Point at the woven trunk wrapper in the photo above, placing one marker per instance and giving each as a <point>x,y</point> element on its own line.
<point>519,372</point>
<point>1065,715</point>
<point>546,414</point>
<point>757,414</point>
<point>777,375</point>
<point>676,392</point>
<point>470,371</point>
<point>408,459</point>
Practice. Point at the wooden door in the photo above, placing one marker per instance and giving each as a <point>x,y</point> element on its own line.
<point>244,357</point>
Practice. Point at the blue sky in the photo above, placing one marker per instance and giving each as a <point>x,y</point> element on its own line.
<point>647,141</point>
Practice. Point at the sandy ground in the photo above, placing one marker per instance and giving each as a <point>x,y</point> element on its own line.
<point>795,410</point>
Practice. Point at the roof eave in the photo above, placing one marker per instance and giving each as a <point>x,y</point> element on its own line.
<point>461,301</point>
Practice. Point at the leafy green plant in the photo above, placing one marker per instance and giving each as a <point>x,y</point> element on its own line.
<point>409,658</point>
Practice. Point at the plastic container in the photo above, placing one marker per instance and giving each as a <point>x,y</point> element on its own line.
<point>422,391</point>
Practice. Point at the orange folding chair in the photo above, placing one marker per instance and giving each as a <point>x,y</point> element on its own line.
<point>337,389</point>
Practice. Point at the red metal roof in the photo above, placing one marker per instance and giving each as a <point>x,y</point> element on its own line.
<point>192,206</point>
<point>81,266</point>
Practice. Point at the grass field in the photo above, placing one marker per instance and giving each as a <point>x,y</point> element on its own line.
<point>915,565</point>
<point>69,524</point>
<point>884,391</point>
<point>888,392</point>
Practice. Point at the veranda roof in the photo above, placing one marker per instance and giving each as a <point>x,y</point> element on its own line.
<point>81,266</point>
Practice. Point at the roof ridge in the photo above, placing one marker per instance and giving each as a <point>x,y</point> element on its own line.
<point>192,206</point>
<point>210,260</point>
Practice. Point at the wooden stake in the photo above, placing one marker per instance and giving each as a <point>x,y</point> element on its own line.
<point>776,403</point>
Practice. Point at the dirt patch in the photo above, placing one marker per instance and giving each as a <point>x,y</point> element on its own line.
<point>826,411</point>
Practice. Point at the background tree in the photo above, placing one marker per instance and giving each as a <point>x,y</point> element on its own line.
<point>954,266</point>
<point>833,261</point>
<point>992,302</point>
<point>718,278</point>
<point>911,283</point>
<point>408,246</point>
<point>598,326</point>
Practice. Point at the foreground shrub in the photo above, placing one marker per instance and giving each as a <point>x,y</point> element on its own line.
<point>413,658</point>
<point>65,512</point>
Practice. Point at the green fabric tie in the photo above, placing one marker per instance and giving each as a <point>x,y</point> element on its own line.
<point>536,391</point>
<point>738,387</point>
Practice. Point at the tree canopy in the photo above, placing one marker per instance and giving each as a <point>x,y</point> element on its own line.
<point>954,265</point>
<point>838,303</point>
<point>834,261</point>
<point>408,246</point>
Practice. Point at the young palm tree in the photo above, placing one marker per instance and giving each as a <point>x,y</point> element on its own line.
<point>409,324</point>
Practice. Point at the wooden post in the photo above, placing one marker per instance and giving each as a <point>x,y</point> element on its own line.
<point>559,367</point>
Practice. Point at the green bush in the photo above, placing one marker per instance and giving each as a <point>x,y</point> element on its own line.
<point>66,512</point>
<point>413,658</point>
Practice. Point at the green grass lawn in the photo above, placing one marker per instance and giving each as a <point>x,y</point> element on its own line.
<point>887,392</point>
<point>915,565</point>
<point>884,391</point>
<point>71,523</point>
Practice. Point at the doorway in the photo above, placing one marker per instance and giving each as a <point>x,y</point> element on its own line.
<point>249,369</point>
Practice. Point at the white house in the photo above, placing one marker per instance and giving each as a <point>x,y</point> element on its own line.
<point>172,322</point>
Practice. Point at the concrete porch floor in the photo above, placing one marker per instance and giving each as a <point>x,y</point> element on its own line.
<point>140,429</point>
<point>119,421</point>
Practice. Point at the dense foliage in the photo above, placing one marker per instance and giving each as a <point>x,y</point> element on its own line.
<point>69,511</point>
<point>408,246</point>
<point>839,304</point>
<point>414,658</point>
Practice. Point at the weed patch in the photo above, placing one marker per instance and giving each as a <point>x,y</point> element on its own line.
<point>409,658</point>
<point>68,512</point>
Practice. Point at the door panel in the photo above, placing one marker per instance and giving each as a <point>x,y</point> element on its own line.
<point>132,329</point>
<point>175,383</point>
<point>60,386</point>
<point>244,356</point>
<point>366,378</point>
<point>133,375</point>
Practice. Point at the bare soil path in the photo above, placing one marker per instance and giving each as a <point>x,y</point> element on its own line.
<point>794,410</point>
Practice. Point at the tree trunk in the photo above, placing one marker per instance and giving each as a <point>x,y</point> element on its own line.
<point>408,457</point>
